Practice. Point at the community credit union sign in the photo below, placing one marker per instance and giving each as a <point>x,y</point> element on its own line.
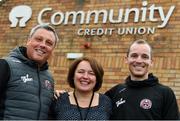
<point>146,13</point>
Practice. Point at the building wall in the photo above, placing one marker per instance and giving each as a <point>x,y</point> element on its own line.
<point>109,50</point>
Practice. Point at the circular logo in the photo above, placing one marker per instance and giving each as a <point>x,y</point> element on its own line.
<point>146,104</point>
<point>48,84</point>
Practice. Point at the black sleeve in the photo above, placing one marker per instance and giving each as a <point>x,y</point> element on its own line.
<point>113,91</point>
<point>4,75</point>
<point>170,109</point>
<point>51,114</point>
<point>109,93</point>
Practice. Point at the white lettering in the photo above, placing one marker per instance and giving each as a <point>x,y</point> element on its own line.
<point>109,16</point>
<point>74,14</point>
<point>80,32</point>
<point>166,18</point>
<point>143,14</point>
<point>41,14</point>
<point>95,31</point>
<point>96,18</point>
<point>53,18</point>
<point>120,16</point>
<point>135,30</point>
<point>144,11</point>
<point>127,14</point>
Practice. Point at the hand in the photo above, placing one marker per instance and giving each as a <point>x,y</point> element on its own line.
<point>57,93</point>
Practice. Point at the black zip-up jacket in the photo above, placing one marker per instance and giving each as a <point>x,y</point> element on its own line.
<point>143,100</point>
<point>26,90</point>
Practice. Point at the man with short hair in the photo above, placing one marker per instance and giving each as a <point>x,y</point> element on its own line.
<point>142,97</point>
<point>26,85</point>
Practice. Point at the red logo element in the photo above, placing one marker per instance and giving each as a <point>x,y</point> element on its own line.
<point>146,104</point>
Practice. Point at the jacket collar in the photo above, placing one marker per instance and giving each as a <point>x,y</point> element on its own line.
<point>151,81</point>
<point>20,53</point>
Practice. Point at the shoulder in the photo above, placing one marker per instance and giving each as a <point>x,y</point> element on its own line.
<point>104,97</point>
<point>105,102</point>
<point>163,88</point>
<point>114,90</point>
<point>117,87</point>
<point>4,69</point>
<point>3,63</point>
<point>166,91</point>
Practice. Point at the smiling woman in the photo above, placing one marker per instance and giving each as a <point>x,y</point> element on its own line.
<point>85,76</point>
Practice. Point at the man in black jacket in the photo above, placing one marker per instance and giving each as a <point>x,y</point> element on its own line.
<point>142,97</point>
<point>26,85</point>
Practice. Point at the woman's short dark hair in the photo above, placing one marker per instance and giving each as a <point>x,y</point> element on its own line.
<point>96,67</point>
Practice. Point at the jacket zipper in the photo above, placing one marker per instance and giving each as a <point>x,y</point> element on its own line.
<point>39,93</point>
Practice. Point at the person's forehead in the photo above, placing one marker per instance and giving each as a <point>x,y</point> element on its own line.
<point>143,48</point>
<point>41,30</point>
<point>83,63</point>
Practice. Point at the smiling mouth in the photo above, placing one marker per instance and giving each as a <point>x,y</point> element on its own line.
<point>138,67</point>
<point>40,52</point>
<point>84,82</point>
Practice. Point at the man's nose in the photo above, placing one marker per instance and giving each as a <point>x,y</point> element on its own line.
<point>139,59</point>
<point>43,43</point>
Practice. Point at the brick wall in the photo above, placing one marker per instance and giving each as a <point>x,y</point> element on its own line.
<point>109,50</point>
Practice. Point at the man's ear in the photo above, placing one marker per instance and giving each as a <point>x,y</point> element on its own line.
<point>126,59</point>
<point>28,41</point>
<point>52,54</point>
<point>152,62</point>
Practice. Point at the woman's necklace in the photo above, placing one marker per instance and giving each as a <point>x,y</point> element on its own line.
<point>79,107</point>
